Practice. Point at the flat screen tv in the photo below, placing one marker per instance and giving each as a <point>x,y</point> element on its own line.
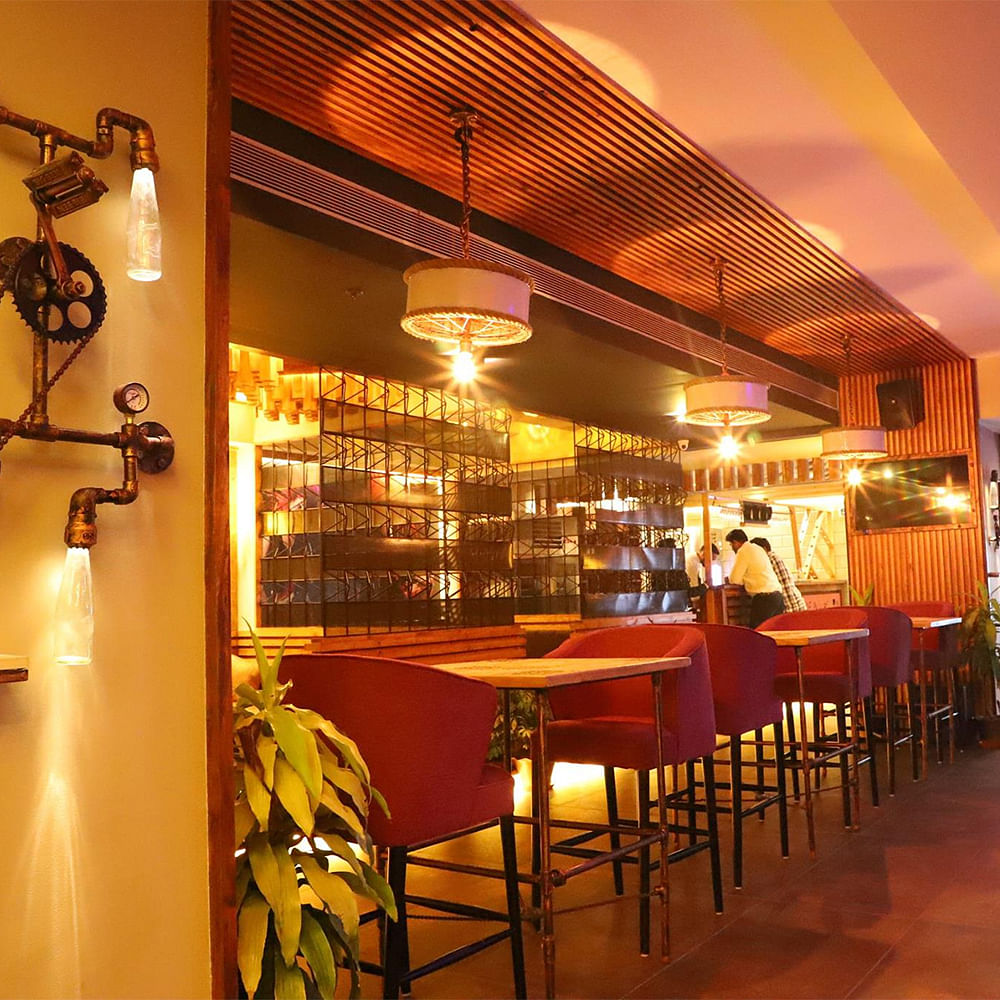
<point>913,493</point>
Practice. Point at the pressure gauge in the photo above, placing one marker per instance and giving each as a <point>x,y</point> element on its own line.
<point>133,397</point>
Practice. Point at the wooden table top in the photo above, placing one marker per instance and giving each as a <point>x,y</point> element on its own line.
<point>923,622</point>
<point>544,673</point>
<point>814,636</point>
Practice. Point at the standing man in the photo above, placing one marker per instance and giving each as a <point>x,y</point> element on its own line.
<point>753,570</point>
<point>794,600</point>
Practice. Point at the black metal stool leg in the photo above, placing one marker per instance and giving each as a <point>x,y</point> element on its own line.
<point>736,783</point>
<point>793,748</point>
<point>890,736</point>
<point>779,765</point>
<point>712,817</point>
<point>845,787</point>
<point>395,961</point>
<point>513,904</point>
<point>611,795</point>
<point>869,711</point>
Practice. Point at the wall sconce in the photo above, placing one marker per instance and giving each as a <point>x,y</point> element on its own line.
<point>61,297</point>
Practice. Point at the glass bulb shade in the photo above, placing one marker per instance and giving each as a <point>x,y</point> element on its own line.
<point>464,367</point>
<point>854,476</point>
<point>74,617</point>
<point>723,400</point>
<point>142,233</point>
<point>456,299</point>
<point>853,444</point>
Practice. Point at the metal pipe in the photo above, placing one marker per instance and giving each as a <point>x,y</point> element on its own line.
<point>81,523</point>
<point>50,432</point>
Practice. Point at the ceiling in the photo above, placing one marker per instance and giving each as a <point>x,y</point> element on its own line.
<point>565,152</point>
<point>876,120</point>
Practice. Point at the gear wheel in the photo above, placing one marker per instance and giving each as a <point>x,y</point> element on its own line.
<point>36,294</point>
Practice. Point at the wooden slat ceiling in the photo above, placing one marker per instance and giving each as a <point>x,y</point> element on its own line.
<point>568,156</point>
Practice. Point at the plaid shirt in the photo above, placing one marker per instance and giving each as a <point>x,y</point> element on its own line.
<point>793,598</point>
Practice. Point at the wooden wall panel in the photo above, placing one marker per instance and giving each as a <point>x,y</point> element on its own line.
<point>925,563</point>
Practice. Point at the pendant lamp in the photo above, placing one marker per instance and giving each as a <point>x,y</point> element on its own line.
<point>462,301</point>
<point>849,442</point>
<point>724,400</point>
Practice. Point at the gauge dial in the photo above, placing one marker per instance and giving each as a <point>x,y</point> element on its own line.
<point>133,397</point>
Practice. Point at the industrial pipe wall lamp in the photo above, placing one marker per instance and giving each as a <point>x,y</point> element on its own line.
<point>61,297</point>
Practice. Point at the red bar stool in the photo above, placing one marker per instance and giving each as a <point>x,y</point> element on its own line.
<point>889,642</point>
<point>829,680</point>
<point>611,724</point>
<point>743,666</point>
<point>937,651</point>
<point>424,734</point>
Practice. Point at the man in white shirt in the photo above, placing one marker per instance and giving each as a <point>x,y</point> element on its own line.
<point>753,570</point>
<point>695,567</point>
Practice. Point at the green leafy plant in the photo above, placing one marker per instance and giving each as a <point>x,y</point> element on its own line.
<point>299,780</point>
<point>523,721</point>
<point>863,599</point>
<point>978,642</point>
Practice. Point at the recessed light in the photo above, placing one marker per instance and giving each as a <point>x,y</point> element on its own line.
<point>932,321</point>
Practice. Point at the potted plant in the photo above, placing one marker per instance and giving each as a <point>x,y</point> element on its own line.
<point>978,646</point>
<point>303,793</point>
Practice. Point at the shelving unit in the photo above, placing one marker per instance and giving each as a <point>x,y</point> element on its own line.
<point>398,516</point>
<point>601,534</point>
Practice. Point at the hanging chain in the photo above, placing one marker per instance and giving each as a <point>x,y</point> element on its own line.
<point>465,118</point>
<point>847,378</point>
<point>22,420</point>
<point>719,269</point>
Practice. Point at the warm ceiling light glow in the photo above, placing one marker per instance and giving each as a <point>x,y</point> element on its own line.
<point>932,321</point>
<point>888,473</point>
<point>463,367</point>
<point>824,234</point>
<point>854,476</point>
<point>728,446</point>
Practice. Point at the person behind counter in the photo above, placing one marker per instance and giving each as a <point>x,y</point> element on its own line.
<point>794,601</point>
<point>752,569</point>
<point>695,568</point>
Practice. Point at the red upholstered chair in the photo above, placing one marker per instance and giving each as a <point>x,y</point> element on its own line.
<point>827,677</point>
<point>940,656</point>
<point>424,733</point>
<point>889,651</point>
<point>611,723</point>
<point>743,666</point>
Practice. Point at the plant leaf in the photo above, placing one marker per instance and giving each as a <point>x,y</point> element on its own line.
<point>288,912</point>
<point>334,891</point>
<point>344,813</point>
<point>258,795</point>
<point>347,781</point>
<point>289,983</point>
<point>244,821</point>
<point>380,888</point>
<point>242,880</point>
<point>251,923</point>
<point>298,745</point>
<point>317,951</point>
<point>345,745</point>
<point>264,868</point>
<point>250,694</point>
<point>292,794</point>
<point>267,750</point>
<point>340,848</point>
<point>268,669</point>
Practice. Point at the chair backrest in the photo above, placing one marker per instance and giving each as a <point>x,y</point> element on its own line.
<point>423,732</point>
<point>831,658</point>
<point>688,708</point>
<point>933,639</point>
<point>889,645</point>
<point>742,665</point>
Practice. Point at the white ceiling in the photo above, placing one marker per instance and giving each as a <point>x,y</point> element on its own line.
<point>876,119</point>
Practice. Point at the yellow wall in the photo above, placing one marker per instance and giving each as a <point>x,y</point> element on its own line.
<point>103,888</point>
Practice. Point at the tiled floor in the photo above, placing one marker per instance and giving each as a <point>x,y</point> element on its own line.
<point>907,907</point>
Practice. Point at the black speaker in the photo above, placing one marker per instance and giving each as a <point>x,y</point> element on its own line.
<point>900,404</point>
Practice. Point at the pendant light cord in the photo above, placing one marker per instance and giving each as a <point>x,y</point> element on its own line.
<point>847,379</point>
<point>719,270</point>
<point>464,118</point>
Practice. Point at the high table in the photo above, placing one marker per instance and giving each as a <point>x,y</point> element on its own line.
<point>923,625</point>
<point>540,676</point>
<point>799,639</point>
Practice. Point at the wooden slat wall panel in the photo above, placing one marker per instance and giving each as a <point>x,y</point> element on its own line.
<point>928,563</point>
<point>563,153</point>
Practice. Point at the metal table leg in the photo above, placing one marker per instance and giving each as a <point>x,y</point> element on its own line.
<point>545,850</point>
<point>804,740</point>
<point>661,804</point>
